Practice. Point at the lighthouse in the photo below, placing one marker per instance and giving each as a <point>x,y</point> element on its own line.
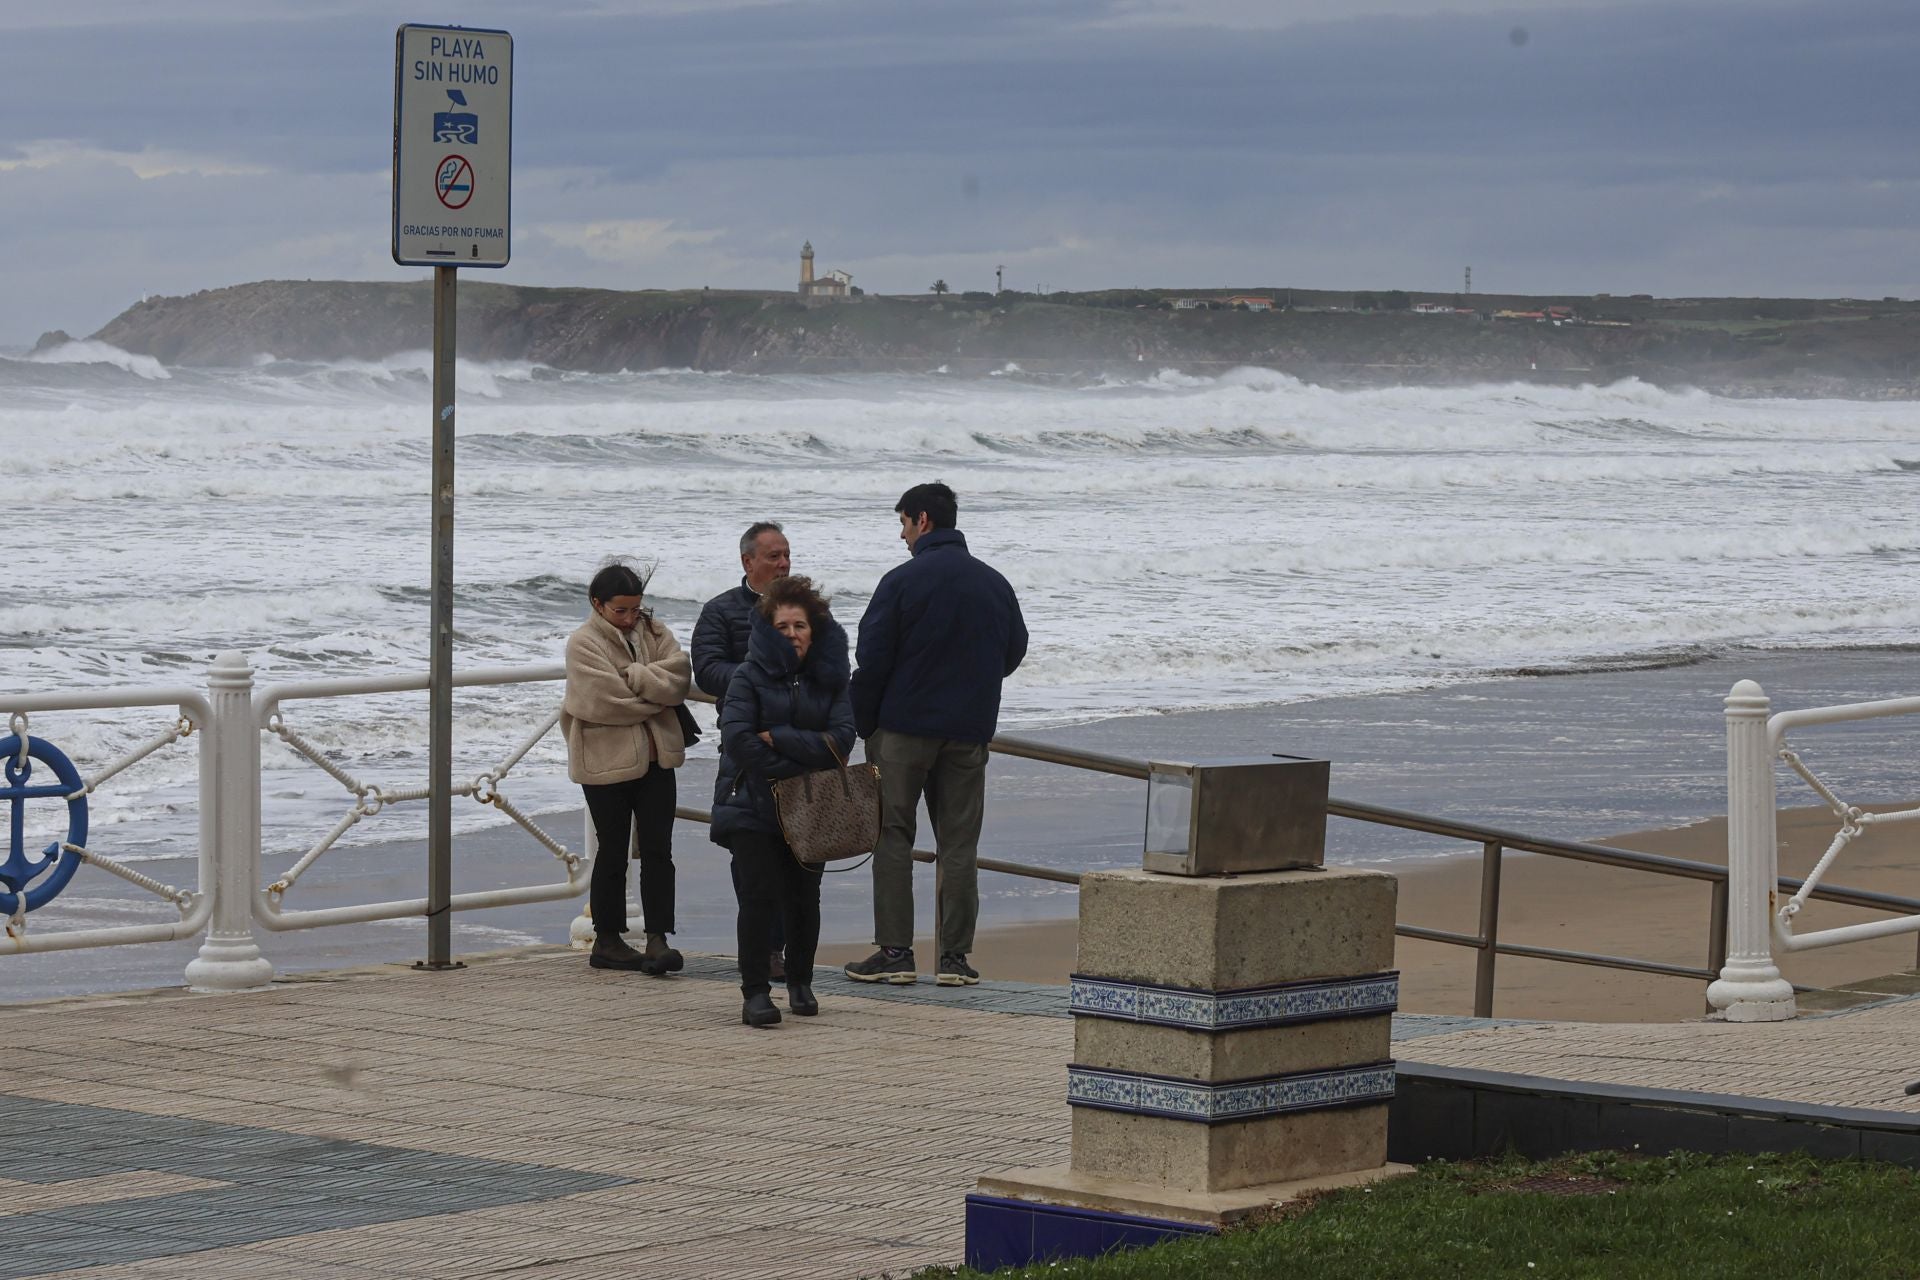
<point>806,268</point>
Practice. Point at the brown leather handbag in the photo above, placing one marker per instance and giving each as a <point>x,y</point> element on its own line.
<point>831,813</point>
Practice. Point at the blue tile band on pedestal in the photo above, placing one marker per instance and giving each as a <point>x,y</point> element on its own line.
<point>1276,1006</point>
<point>1176,1099</point>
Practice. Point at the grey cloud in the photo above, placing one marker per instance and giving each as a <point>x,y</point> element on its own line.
<point>1698,146</point>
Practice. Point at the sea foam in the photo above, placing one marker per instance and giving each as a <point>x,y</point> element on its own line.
<point>1177,539</point>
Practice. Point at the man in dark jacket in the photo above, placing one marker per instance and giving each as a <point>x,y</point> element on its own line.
<point>940,634</point>
<point>720,642</point>
<point>720,637</point>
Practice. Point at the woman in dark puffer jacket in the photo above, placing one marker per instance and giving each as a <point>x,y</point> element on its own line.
<point>784,705</point>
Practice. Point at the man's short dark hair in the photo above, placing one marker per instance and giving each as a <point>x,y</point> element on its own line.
<point>749,541</point>
<point>935,501</point>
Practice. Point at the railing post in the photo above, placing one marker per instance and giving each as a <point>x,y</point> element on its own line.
<point>1490,855</point>
<point>229,959</point>
<point>580,932</point>
<point>1716,931</point>
<point>1750,988</point>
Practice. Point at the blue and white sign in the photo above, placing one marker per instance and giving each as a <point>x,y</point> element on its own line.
<point>452,147</point>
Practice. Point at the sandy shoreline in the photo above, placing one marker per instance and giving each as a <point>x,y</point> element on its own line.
<point>1574,906</point>
<point>1573,756</point>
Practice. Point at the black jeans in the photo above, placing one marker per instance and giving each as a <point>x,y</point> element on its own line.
<point>774,886</point>
<point>776,941</point>
<point>644,807</point>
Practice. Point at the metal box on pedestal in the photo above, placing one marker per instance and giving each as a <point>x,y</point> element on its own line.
<point>1220,817</point>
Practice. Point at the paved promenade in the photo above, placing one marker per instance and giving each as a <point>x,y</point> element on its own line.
<point>1862,1057</point>
<point>532,1117</point>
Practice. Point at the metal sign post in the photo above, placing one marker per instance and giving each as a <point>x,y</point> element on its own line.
<point>452,154</point>
<point>440,645</point>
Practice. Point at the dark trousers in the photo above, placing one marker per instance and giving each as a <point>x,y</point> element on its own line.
<point>774,886</point>
<point>776,941</point>
<point>953,776</point>
<point>637,812</point>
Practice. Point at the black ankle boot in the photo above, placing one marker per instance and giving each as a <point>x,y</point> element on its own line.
<point>610,951</point>
<point>759,1011</point>
<point>661,958</point>
<point>800,1000</point>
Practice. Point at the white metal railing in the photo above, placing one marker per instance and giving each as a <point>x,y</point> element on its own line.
<point>228,901</point>
<point>1854,822</point>
<point>1750,987</point>
<point>192,714</point>
<point>370,799</point>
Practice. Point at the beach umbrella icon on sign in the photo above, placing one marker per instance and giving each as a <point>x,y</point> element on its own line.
<point>461,128</point>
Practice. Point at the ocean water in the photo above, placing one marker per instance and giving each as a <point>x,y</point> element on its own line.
<point>1177,541</point>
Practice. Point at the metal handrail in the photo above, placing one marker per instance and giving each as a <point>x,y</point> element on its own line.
<point>1495,843</point>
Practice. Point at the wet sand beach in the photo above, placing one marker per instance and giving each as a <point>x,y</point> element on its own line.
<point>1576,756</point>
<point>1573,906</point>
<point>1583,755</point>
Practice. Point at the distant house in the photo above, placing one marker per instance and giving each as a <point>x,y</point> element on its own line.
<point>1520,315</point>
<point>1250,302</point>
<point>835,286</point>
<point>1432,309</point>
<point>1191,304</point>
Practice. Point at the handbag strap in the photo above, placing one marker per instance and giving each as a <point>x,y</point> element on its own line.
<point>834,751</point>
<point>846,783</point>
<point>826,870</point>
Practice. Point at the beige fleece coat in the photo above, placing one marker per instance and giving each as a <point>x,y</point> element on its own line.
<point>618,714</point>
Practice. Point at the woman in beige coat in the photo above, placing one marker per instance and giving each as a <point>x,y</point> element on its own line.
<point>625,675</point>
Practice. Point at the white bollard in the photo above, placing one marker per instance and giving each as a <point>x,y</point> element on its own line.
<point>229,959</point>
<point>1750,988</point>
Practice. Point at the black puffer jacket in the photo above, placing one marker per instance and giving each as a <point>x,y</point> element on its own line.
<point>720,638</point>
<point>798,703</point>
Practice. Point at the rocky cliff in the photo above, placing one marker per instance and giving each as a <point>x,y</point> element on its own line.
<point>1739,344</point>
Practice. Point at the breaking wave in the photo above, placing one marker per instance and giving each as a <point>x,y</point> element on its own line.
<point>88,351</point>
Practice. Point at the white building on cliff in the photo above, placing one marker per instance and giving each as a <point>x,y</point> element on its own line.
<point>836,286</point>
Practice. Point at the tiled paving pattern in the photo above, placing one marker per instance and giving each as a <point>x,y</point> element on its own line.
<point>1861,1058</point>
<point>533,1117</point>
<point>526,1116</point>
<point>1028,998</point>
<point>120,1186</point>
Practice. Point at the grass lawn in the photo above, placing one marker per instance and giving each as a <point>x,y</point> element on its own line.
<point>1601,1215</point>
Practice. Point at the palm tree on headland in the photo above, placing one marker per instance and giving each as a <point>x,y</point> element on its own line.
<point>939,287</point>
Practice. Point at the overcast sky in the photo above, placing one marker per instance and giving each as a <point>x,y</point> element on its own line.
<point>1752,147</point>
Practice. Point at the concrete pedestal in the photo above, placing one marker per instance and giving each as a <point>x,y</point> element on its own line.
<point>1231,1050</point>
<point>1036,1189</point>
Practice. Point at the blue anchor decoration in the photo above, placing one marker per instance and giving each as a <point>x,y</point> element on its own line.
<point>19,870</point>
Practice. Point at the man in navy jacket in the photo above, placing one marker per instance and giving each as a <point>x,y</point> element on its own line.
<point>940,634</point>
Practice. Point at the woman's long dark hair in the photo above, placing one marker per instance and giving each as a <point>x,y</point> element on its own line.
<point>618,578</point>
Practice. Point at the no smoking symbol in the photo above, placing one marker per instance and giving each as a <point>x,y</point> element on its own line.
<point>453,182</point>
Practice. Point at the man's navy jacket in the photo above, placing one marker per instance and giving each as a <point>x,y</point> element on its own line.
<point>940,634</point>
